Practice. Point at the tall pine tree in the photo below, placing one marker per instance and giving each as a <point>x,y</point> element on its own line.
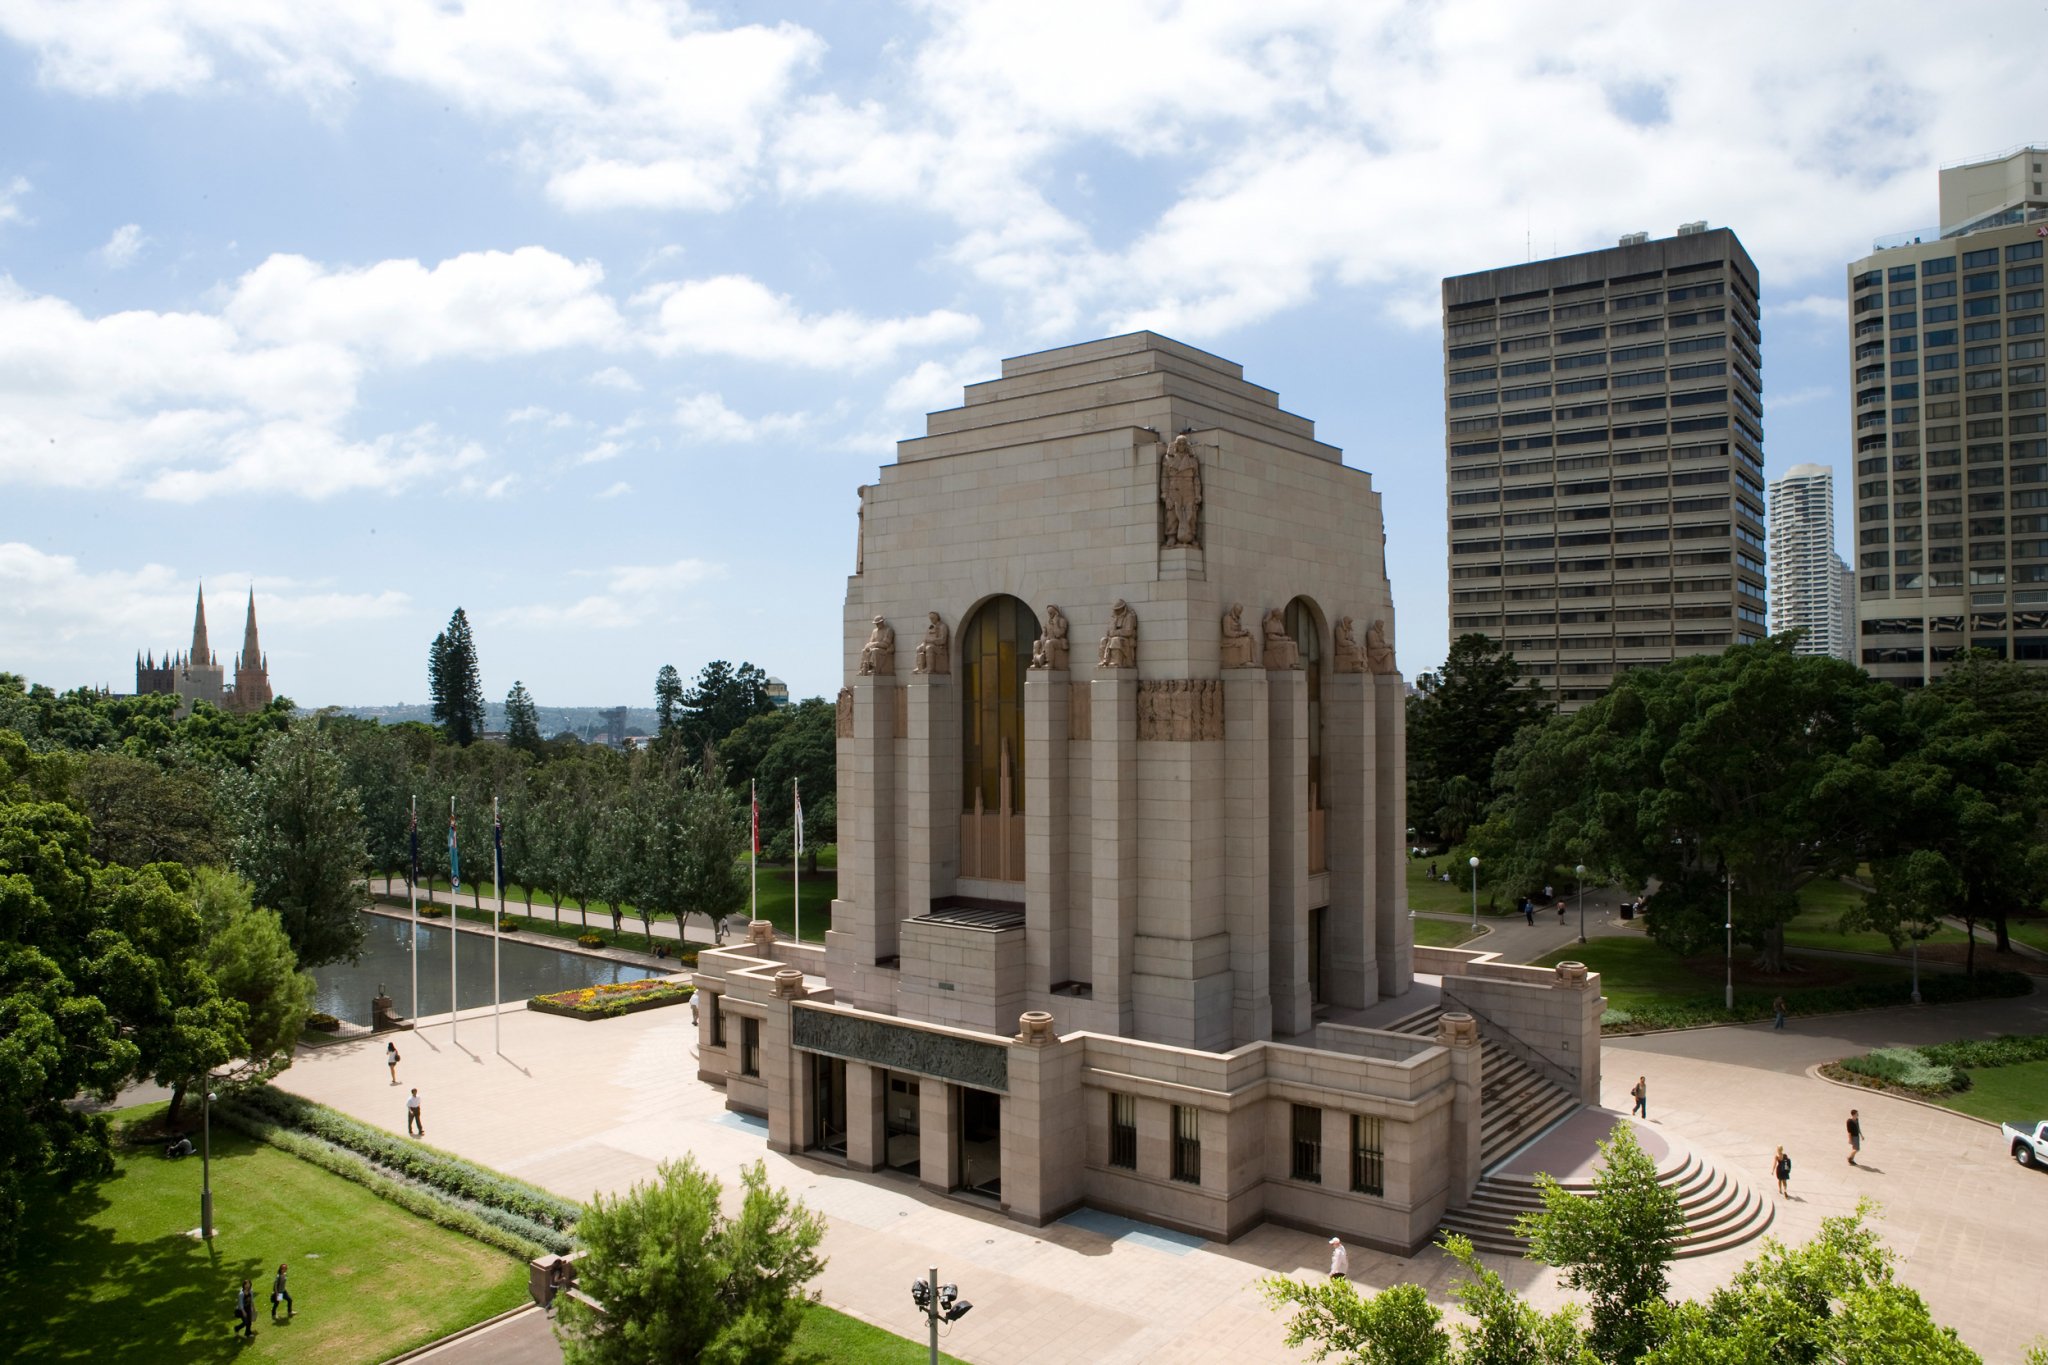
<point>454,681</point>
<point>668,698</point>
<point>522,719</point>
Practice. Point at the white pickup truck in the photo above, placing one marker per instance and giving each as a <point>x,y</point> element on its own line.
<point>2029,1141</point>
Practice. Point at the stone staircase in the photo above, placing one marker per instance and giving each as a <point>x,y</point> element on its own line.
<point>1518,1104</point>
<point>1516,1100</point>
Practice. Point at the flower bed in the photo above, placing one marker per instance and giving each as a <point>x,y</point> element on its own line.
<point>607,1002</point>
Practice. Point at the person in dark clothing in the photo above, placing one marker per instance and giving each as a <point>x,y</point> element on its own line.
<point>1855,1136</point>
<point>245,1310</point>
<point>1781,1167</point>
<point>280,1294</point>
<point>1641,1093</point>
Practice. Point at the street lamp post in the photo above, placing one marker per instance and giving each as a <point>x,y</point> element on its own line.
<point>206,1165</point>
<point>1475,893</point>
<point>1580,870</point>
<point>1728,926</point>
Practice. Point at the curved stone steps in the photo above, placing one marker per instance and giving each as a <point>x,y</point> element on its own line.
<point>1720,1210</point>
<point>1516,1102</point>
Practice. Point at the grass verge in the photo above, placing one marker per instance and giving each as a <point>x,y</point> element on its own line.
<point>108,1271</point>
<point>828,1334</point>
<point>1446,933</point>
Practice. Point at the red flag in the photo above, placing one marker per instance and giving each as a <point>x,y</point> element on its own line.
<point>757,818</point>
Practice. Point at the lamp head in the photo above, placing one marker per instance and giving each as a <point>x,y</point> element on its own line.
<point>1475,860</point>
<point>1580,869</point>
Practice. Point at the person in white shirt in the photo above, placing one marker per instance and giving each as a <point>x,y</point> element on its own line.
<point>1340,1260</point>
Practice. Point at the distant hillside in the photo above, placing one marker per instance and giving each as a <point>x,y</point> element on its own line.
<point>583,721</point>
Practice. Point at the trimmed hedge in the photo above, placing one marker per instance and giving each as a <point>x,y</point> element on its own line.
<point>438,1170</point>
<point>1937,1070</point>
<point>1700,1011</point>
<point>1908,1068</point>
<point>1989,1052</point>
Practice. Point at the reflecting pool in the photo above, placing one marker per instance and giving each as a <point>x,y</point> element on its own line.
<point>525,967</point>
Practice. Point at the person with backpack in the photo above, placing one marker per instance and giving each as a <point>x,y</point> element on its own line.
<point>1781,1166</point>
<point>391,1060</point>
<point>1640,1091</point>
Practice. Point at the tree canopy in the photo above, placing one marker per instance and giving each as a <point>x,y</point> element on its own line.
<point>298,838</point>
<point>722,699</point>
<point>454,682</point>
<point>522,719</point>
<point>1459,720</point>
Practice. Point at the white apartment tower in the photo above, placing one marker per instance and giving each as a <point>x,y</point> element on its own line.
<point>1604,452</point>
<point>1947,356</point>
<point>1806,573</point>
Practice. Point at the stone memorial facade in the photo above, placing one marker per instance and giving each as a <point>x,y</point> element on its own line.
<point>1143,875</point>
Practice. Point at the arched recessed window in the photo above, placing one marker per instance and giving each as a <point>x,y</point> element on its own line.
<point>995,647</point>
<point>1304,623</point>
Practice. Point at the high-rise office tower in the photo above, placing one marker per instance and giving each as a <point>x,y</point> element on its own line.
<point>1604,443</point>
<point>1946,355</point>
<point>1806,573</point>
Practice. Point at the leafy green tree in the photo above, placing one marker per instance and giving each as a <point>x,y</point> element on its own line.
<point>790,744</point>
<point>1459,720</point>
<point>1834,1299</point>
<point>1615,1246</point>
<point>144,813</point>
<point>382,764</point>
<point>522,720</point>
<point>298,838</point>
<point>668,699</point>
<point>680,1280</point>
<point>1749,763</point>
<point>454,682</point>
<point>1399,1326</point>
<point>723,699</point>
<point>249,957</point>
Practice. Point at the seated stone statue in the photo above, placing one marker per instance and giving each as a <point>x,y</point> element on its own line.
<point>1281,650</point>
<point>1050,649</point>
<point>1120,644</point>
<point>1379,652</point>
<point>1350,654</point>
<point>1236,649</point>
<point>933,652</point>
<point>878,655</point>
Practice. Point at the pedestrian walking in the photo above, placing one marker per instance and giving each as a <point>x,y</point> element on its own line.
<point>280,1294</point>
<point>1529,911</point>
<point>1641,1091</point>
<point>245,1311</point>
<point>618,920</point>
<point>391,1060</point>
<point>1546,891</point>
<point>1778,1012</point>
<point>1781,1166</point>
<point>1855,1136</point>
<point>413,1123</point>
<point>1340,1260</point>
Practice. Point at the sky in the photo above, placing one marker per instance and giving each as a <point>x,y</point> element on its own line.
<point>589,319</point>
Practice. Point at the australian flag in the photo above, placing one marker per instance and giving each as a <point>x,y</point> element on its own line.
<point>454,862</point>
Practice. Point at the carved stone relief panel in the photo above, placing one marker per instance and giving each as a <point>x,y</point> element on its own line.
<point>984,1066</point>
<point>1180,709</point>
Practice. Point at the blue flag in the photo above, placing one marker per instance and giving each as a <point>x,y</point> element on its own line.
<point>454,862</point>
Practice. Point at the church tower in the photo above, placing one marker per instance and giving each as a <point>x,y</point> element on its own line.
<point>201,678</point>
<point>252,670</point>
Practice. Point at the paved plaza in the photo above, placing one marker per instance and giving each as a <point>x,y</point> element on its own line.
<point>579,1107</point>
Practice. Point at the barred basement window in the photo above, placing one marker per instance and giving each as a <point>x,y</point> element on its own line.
<point>1368,1161</point>
<point>1307,1163</point>
<point>1123,1131</point>
<point>750,1047</point>
<point>717,999</point>
<point>1187,1144</point>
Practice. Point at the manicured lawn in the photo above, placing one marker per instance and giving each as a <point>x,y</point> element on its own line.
<point>1444,933</point>
<point>2032,932</point>
<point>831,1335</point>
<point>1455,896</point>
<point>1635,971</point>
<point>1822,904</point>
<point>108,1273</point>
<point>2003,1094</point>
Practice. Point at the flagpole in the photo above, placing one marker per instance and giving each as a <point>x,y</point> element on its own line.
<point>454,916</point>
<point>497,880</point>
<point>413,886</point>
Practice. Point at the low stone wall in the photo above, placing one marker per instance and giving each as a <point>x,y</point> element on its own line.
<point>1548,1016</point>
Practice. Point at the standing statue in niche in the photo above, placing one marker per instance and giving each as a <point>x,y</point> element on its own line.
<point>934,653</point>
<point>1350,653</point>
<point>842,727</point>
<point>1281,651</point>
<point>1050,649</point>
<point>1237,650</point>
<point>1379,652</point>
<point>878,655</point>
<point>1180,491</point>
<point>860,531</point>
<point>1120,644</point>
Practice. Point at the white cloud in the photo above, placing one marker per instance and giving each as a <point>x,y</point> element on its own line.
<point>612,377</point>
<point>481,303</point>
<point>706,419</point>
<point>733,315</point>
<point>617,490</point>
<point>1821,308</point>
<point>123,247</point>
<point>633,595</point>
<point>602,451</point>
<point>935,384</point>
<point>53,609</point>
<point>314,462</point>
<point>12,192</point>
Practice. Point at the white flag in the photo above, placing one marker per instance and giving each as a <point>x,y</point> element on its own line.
<point>799,816</point>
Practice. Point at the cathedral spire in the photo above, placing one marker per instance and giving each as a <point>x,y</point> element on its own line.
<point>252,652</point>
<point>201,655</point>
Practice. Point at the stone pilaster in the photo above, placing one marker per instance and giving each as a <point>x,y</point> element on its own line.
<point>938,1135</point>
<point>1247,855</point>
<point>1044,1130</point>
<point>1113,844</point>
<point>867,1096</point>
<point>1460,1034</point>
<point>1350,802</point>
<point>1287,875</point>
<point>1050,954</point>
<point>1393,931</point>
<point>869,907</point>
<point>931,761</point>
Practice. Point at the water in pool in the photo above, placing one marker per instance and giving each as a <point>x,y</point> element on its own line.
<point>526,968</point>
